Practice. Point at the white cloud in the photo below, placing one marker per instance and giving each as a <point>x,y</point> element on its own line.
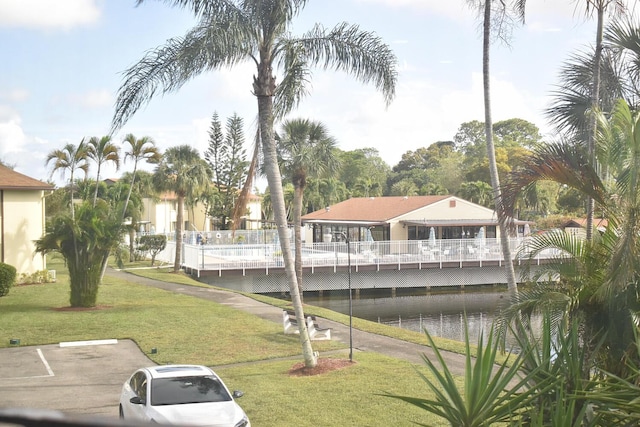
<point>48,14</point>
<point>12,138</point>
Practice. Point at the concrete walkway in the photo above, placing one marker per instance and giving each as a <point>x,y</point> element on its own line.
<point>362,341</point>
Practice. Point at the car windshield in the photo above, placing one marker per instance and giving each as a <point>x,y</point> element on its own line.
<point>181,390</point>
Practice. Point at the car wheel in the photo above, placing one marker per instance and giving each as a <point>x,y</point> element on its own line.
<point>121,413</point>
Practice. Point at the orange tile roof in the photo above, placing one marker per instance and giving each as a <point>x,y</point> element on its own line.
<point>12,180</point>
<point>582,222</point>
<point>372,208</point>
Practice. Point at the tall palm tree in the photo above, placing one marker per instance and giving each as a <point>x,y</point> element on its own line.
<point>601,276</point>
<point>305,150</point>
<point>598,7</point>
<point>258,31</point>
<point>102,150</point>
<point>139,149</point>
<point>488,23</point>
<point>135,207</point>
<point>184,172</point>
<point>71,158</point>
<point>591,81</point>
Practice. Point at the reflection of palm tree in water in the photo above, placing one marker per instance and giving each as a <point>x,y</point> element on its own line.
<point>207,386</point>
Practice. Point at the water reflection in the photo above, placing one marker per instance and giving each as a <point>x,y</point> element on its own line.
<point>440,313</point>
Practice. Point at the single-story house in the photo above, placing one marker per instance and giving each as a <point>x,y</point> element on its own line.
<point>22,220</point>
<point>578,226</point>
<point>402,218</point>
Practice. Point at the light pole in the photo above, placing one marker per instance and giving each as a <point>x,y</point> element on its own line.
<point>350,297</point>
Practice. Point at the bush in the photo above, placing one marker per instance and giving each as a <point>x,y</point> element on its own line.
<point>7,278</point>
<point>42,276</point>
<point>153,244</point>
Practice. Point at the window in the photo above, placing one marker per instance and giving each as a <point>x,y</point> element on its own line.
<point>182,390</point>
<point>138,384</point>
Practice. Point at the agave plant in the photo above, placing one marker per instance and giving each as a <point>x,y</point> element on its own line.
<point>492,391</point>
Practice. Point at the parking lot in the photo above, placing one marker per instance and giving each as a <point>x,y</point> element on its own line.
<point>80,378</point>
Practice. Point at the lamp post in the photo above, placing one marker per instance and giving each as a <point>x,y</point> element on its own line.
<point>350,297</point>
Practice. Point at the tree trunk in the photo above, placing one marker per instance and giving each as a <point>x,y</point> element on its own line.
<point>595,102</point>
<point>493,168</point>
<point>95,193</point>
<point>133,179</point>
<point>179,222</point>
<point>274,179</point>
<point>297,228</point>
<point>131,243</point>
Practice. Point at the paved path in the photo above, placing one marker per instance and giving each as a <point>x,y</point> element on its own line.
<point>362,341</point>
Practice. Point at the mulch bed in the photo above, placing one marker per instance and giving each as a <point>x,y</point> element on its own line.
<point>324,365</point>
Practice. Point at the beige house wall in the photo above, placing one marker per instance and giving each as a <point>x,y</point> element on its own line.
<point>452,208</point>
<point>162,215</point>
<point>255,215</point>
<point>23,222</point>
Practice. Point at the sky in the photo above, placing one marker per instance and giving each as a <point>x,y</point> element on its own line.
<point>63,63</point>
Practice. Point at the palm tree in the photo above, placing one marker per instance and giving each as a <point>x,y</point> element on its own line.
<point>258,31</point>
<point>599,6</point>
<point>83,242</point>
<point>117,193</point>
<point>139,149</point>
<point>70,158</point>
<point>102,150</point>
<point>599,277</point>
<point>590,82</point>
<point>185,173</point>
<point>305,150</point>
<point>487,24</point>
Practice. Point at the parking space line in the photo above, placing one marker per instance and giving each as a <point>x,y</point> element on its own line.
<point>50,372</point>
<point>46,364</point>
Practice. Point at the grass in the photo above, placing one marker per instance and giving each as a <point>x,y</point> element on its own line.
<point>167,275</point>
<point>190,330</point>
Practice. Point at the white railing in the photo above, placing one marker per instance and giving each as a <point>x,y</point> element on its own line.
<point>340,254</point>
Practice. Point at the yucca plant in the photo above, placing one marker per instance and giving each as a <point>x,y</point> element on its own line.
<point>492,392</point>
<point>616,400</point>
<point>558,364</point>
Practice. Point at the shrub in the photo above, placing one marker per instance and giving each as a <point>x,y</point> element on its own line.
<point>42,276</point>
<point>7,278</point>
<point>154,244</point>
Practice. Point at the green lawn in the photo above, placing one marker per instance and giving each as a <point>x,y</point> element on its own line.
<point>190,330</point>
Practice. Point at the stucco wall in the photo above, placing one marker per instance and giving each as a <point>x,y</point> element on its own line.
<point>23,223</point>
<point>444,210</point>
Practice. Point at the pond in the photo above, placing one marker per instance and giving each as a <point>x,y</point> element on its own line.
<point>441,313</point>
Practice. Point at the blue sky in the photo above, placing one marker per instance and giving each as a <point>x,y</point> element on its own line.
<point>63,62</point>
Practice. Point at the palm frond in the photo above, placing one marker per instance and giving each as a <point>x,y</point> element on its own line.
<point>217,41</point>
<point>563,163</point>
<point>293,87</point>
<point>359,53</point>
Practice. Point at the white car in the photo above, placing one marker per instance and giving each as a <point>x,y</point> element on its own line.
<point>180,394</point>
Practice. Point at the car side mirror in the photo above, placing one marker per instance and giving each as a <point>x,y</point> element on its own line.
<point>137,400</point>
<point>237,394</point>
